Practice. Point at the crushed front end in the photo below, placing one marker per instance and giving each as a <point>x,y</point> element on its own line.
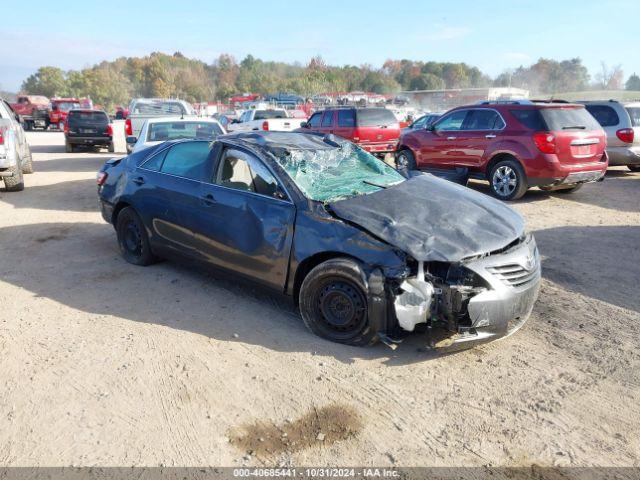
<point>473,301</point>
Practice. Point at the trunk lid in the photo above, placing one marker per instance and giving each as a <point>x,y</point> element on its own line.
<point>579,137</point>
<point>376,125</point>
<point>433,219</point>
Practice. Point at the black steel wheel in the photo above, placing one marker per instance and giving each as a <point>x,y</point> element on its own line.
<point>333,302</point>
<point>133,239</point>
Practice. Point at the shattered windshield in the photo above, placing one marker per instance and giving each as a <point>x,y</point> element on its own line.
<point>337,173</point>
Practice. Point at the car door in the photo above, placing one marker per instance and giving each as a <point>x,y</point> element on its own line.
<point>165,194</point>
<point>244,220</point>
<point>313,124</point>
<point>326,125</point>
<point>16,127</point>
<point>346,123</point>
<point>439,145</point>
<point>481,128</point>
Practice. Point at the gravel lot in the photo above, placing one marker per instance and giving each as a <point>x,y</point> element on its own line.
<point>105,363</point>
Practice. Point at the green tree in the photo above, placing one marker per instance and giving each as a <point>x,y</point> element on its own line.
<point>47,81</point>
<point>427,81</point>
<point>633,82</point>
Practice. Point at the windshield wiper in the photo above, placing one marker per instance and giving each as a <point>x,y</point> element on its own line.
<point>368,182</point>
<point>571,127</point>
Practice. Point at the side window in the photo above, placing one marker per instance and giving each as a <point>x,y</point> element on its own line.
<point>189,160</point>
<point>242,171</point>
<point>606,116</point>
<point>483,119</point>
<point>314,121</point>
<point>452,121</point>
<point>155,162</point>
<point>346,118</point>
<point>327,119</point>
<point>419,123</point>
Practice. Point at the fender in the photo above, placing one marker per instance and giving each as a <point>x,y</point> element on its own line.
<point>506,147</point>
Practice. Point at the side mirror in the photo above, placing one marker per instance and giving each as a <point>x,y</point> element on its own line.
<point>430,127</point>
<point>131,139</point>
<point>304,124</point>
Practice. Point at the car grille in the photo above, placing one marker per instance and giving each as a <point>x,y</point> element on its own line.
<point>514,274</point>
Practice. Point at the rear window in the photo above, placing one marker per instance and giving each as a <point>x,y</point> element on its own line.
<point>634,114</point>
<point>158,108</point>
<point>161,132</point>
<point>88,117</point>
<point>530,118</point>
<point>375,117</point>
<point>605,115</point>
<point>267,114</point>
<point>575,118</point>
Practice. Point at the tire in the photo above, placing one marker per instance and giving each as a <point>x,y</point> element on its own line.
<point>68,147</point>
<point>27,164</point>
<point>28,125</point>
<point>405,160</point>
<point>15,183</point>
<point>634,168</point>
<point>133,239</point>
<point>333,303</point>
<point>507,180</point>
<point>111,148</point>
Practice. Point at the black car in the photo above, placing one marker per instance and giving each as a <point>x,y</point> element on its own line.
<point>365,253</point>
<point>91,128</point>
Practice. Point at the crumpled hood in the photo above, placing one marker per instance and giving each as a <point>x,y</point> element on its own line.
<point>433,219</point>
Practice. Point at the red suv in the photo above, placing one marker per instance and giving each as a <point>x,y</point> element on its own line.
<point>376,130</point>
<point>514,145</point>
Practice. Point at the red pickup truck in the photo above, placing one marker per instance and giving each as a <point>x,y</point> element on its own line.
<point>60,109</point>
<point>33,111</point>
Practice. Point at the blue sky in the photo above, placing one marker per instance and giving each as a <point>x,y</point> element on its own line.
<point>493,35</point>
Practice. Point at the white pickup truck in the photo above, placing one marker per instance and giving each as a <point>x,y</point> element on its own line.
<point>276,119</point>
<point>142,109</point>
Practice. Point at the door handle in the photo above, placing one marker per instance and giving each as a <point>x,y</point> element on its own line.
<point>451,138</point>
<point>138,180</point>
<point>208,199</point>
<point>491,135</point>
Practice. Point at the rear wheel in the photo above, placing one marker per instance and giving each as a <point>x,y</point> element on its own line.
<point>507,180</point>
<point>405,160</point>
<point>133,239</point>
<point>634,168</point>
<point>68,147</point>
<point>14,183</point>
<point>111,147</point>
<point>333,303</point>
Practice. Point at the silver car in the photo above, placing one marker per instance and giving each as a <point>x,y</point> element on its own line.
<point>15,155</point>
<point>621,123</point>
<point>162,129</point>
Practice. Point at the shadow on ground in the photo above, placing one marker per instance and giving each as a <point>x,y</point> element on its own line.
<point>590,260</point>
<point>624,197</point>
<point>73,195</point>
<point>78,265</point>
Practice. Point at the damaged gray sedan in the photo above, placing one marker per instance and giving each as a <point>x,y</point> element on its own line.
<point>365,253</point>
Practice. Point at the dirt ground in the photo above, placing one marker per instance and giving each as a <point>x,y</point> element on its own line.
<point>105,363</point>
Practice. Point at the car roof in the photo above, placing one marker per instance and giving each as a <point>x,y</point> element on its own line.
<point>278,141</point>
<point>181,119</point>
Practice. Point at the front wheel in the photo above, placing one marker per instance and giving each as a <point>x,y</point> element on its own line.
<point>333,303</point>
<point>133,239</point>
<point>507,180</point>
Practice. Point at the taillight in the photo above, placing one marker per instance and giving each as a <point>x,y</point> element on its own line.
<point>128,128</point>
<point>66,127</point>
<point>1,137</point>
<point>102,177</point>
<point>626,135</point>
<point>265,125</point>
<point>109,130</point>
<point>545,141</point>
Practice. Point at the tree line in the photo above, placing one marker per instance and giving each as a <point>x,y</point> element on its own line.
<point>111,83</point>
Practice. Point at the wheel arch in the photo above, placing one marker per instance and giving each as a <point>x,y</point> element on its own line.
<point>310,263</point>
<point>500,156</point>
<point>122,204</point>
